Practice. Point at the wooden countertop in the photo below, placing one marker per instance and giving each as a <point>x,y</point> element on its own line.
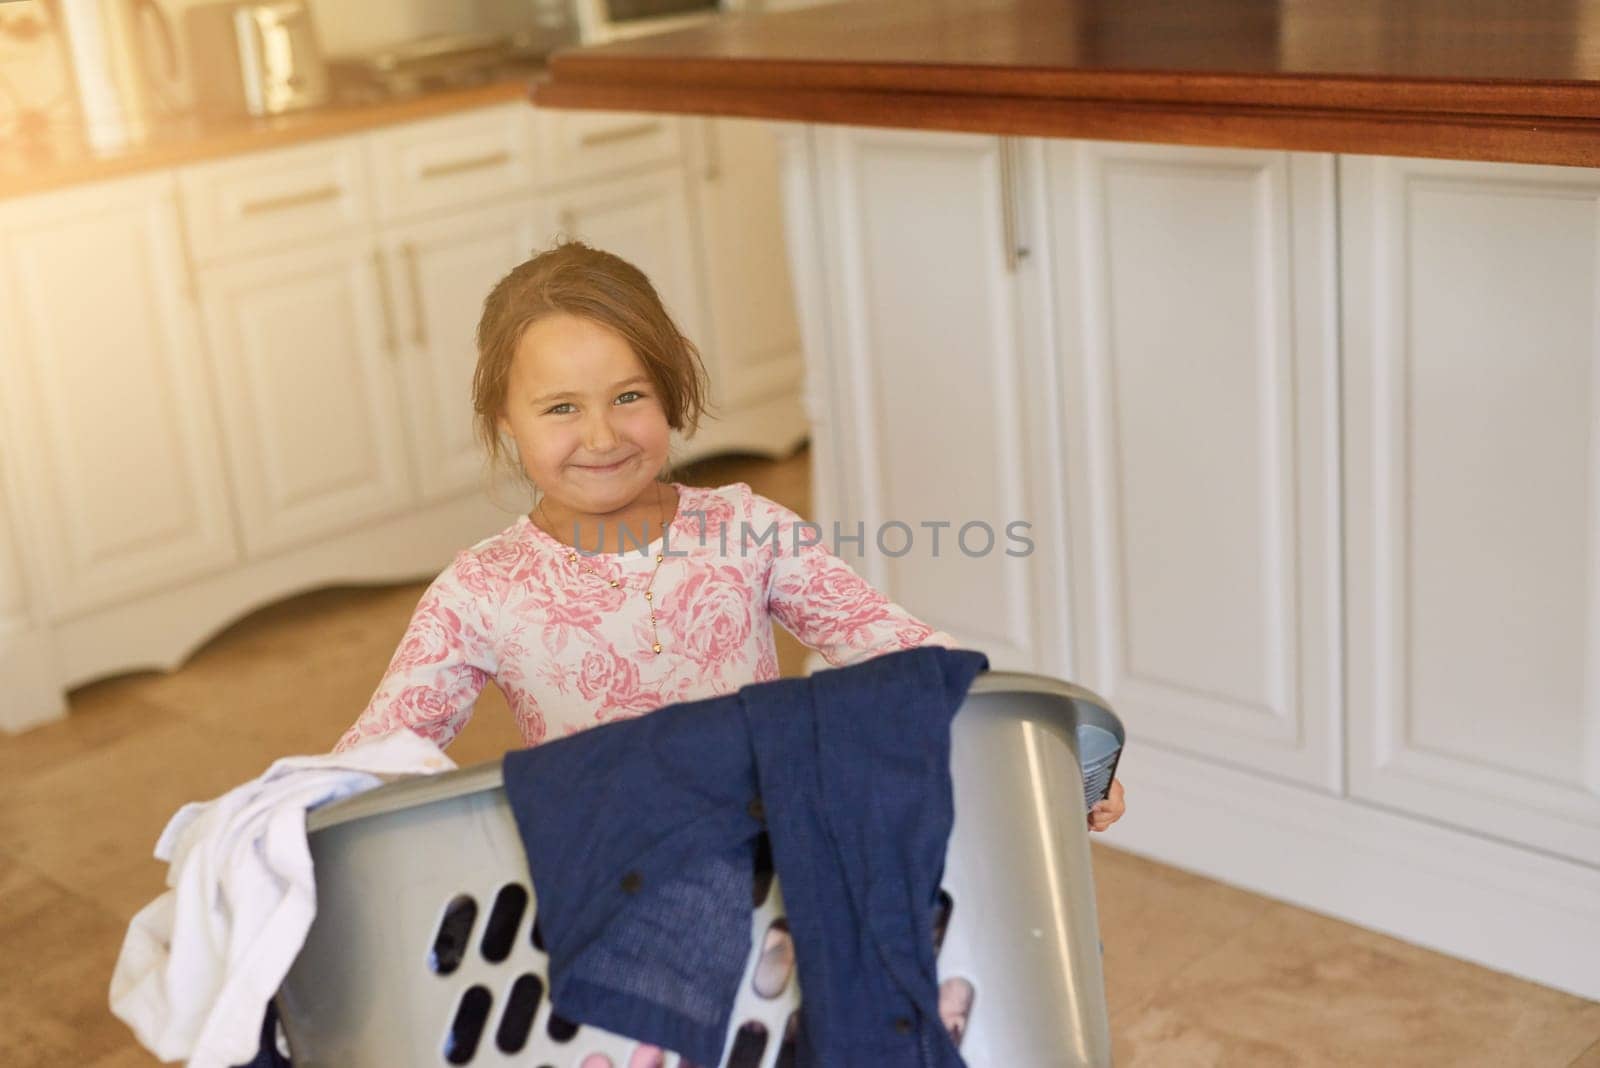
<point>71,162</point>
<point>1515,80</point>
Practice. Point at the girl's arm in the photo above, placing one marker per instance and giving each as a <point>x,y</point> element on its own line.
<point>820,600</point>
<point>442,663</point>
<point>828,606</point>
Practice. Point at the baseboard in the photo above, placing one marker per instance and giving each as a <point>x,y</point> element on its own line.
<point>1508,908</point>
<point>161,630</point>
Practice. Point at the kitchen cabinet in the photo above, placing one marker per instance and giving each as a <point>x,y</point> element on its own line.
<point>422,169</point>
<point>579,147</point>
<point>109,422</point>
<point>1197,324</point>
<point>750,334</point>
<point>1471,295</point>
<point>1308,441</point>
<point>305,356</point>
<point>437,273</point>
<point>933,385</point>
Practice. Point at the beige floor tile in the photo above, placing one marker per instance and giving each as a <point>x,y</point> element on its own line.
<point>58,950</point>
<point>1295,988</point>
<point>1589,1058</point>
<point>129,1056</point>
<point>295,676</point>
<point>100,718</point>
<point>1155,921</point>
<point>92,825</point>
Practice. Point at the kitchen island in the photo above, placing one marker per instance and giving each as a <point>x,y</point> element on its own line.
<point>1277,325</point>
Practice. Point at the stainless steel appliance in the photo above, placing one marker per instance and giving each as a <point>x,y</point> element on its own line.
<point>255,58</point>
<point>447,61</point>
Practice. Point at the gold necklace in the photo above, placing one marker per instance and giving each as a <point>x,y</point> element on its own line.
<point>572,558</point>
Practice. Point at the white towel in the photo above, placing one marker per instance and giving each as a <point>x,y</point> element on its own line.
<point>200,962</point>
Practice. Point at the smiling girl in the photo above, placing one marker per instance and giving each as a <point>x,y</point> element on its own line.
<point>619,592</point>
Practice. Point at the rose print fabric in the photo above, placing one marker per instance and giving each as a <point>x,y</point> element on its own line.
<point>569,650</point>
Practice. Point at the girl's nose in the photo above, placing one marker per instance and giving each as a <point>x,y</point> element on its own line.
<point>599,436</point>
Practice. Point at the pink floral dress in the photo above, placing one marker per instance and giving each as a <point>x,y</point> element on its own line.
<point>569,650</point>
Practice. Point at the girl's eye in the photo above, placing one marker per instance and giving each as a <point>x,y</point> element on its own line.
<point>560,409</point>
<point>629,397</point>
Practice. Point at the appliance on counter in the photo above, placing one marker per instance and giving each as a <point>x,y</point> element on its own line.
<point>611,20</point>
<point>447,61</point>
<point>255,58</point>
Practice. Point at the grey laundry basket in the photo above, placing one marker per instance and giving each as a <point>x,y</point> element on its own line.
<point>424,951</point>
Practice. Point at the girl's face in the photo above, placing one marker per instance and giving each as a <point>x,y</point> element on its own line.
<point>589,426</point>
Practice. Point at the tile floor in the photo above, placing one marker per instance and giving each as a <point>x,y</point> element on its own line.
<point>1198,973</point>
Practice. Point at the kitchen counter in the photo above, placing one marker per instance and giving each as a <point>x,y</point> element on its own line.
<point>72,162</point>
<point>1508,80</point>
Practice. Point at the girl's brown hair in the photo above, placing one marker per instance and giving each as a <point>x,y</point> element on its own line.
<point>574,279</point>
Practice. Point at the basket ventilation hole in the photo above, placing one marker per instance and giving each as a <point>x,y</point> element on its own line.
<point>791,1043</point>
<point>467,1027</point>
<point>517,1019</point>
<point>777,961</point>
<point>647,1057</point>
<point>955,1007</point>
<point>748,1046</point>
<point>450,942</point>
<point>560,1028</point>
<point>504,917</point>
<point>763,871</point>
<point>595,1060</point>
<point>941,919</point>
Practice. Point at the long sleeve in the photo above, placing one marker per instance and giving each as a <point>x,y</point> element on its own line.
<point>821,601</point>
<point>442,664</point>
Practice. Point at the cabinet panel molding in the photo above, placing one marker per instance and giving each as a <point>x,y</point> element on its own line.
<point>1471,297</point>
<point>1196,311</point>
<point>308,385</point>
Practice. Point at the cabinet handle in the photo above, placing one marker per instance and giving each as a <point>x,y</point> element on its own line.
<point>291,200</point>
<point>619,133</point>
<point>419,327</point>
<point>1015,251</point>
<point>456,166</point>
<point>384,301</point>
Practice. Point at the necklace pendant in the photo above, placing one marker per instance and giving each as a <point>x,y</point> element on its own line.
<point>657,647</point>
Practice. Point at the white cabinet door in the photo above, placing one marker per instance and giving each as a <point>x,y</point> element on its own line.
<point>304,348</point>
<point>106,404</point>
<point>1196,309</point>
<point>752,340</point>
<point>646,221</point>
<point>440,271</point>
<point>1472,401</point>
<point>935,389</point>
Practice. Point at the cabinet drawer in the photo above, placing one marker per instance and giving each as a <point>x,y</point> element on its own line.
<point>452,162</point>
<point>580,145</point>
<point>272,200</point>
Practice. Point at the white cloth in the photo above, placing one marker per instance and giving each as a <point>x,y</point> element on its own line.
<point>200,962</point>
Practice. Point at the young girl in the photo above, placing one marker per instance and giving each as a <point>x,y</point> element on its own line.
<point>619,592</point>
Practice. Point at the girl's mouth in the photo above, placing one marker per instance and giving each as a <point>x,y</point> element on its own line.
<point>603,469</point>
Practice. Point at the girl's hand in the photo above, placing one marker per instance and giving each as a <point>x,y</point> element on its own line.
<point>1105,813</point>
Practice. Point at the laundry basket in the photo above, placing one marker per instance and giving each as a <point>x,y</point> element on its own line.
<point>425,951</point>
